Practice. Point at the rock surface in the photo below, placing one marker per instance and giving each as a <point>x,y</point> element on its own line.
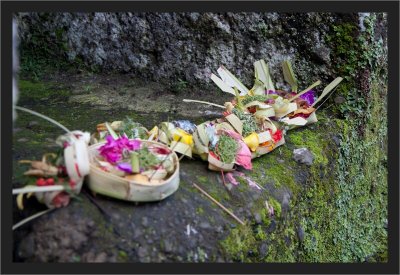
<point>303,155</point>
<point>186,47</point>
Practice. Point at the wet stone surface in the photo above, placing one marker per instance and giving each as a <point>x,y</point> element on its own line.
<point>185,227</point>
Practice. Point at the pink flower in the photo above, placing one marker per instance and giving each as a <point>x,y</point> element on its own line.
<point>243,156</point>
<point>126,143</point>
<point>231,179</point>
<point>161,150</point>
<point>113,149</point>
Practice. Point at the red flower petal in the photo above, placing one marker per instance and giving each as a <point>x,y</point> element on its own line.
<point>61,200</point>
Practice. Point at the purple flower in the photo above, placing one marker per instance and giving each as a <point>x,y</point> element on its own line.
<point>309,96</point>
<point>125,166</point>
<point>270,101</point>
<point>113,149</point>
<point>271,92</point>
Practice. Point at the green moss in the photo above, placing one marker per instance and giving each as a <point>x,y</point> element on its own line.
<point>202,179</point>
<point>268,169</point>
<point>260,234</point>
<point>45,52</point>
<point>265,217</point>
<point>180,86</point>
<point>30,90</point>
<point>315,142</point>
<point>239,243</point>
<point>277,207</point>
<point>122,256</point>
<point>199,210</point>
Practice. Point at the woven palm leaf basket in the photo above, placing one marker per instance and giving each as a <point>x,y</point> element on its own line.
<point>114,186</point>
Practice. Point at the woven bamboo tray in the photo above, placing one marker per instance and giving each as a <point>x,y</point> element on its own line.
<point>117,187</point>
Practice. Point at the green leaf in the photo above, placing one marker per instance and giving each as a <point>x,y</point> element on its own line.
<point>305,90</point>
<point>231,80</point>
<point>258,88</point>
<point>222,85</point>
<point>111,131</point>
<point>327,89</point>
<point>289,75</point>
<point>261,73</point>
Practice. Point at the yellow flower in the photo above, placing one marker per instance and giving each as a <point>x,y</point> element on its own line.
<point>183,136</point>
<point>252,141</point>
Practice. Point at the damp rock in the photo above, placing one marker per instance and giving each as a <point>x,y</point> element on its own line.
<point>285,204</point>
<point>205,225</point>
<point>145,221</point>
<point>168,246</point>
<point>258,218</point>
<point>263,249</point>
<point>300,233</point>
<point>336,139</point>
<point>303,155</point>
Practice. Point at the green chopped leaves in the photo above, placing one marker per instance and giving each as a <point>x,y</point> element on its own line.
<point>251,98</point>
<point>227,148</point>
<point>133,129</point>
<point>147,159</point>
<point>249,122</point>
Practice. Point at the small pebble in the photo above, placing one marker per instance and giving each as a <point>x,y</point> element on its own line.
<point>303,155</point>
<point>258,218</point>
<point>145,221</point>
<point>339,100</point>
<point>137,233</point>
<point>167,246</point>
<point>263,249</point>
<point>205,225</point>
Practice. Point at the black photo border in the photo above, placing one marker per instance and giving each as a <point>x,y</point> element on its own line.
<point>10,7</point>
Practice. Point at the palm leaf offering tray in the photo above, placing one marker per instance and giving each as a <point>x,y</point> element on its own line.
<point>126,161</point>
<point>253,124</point>
<point>138,170</point>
